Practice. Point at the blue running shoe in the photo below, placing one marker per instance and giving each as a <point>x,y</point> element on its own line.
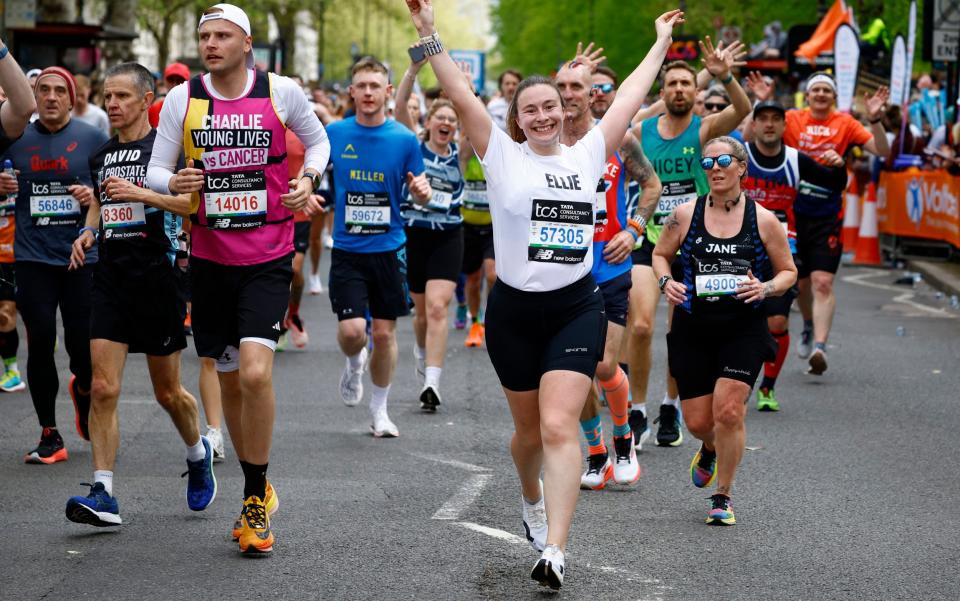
<point>201,483</point>
<point>97,508</point>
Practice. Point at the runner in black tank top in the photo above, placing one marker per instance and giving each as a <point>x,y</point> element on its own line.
<point>733,255</point>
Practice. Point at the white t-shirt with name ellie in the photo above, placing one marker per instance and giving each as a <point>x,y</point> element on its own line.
<point>543,210</point>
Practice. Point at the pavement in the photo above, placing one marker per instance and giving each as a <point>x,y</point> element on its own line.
<point>846,493</point>
<point>943,275</point>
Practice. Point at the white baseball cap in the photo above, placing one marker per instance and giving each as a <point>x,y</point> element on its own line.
<point>232,13</point>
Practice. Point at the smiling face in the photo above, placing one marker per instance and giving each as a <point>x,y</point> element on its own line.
<point>679,91</point>
<point>540,114</point>
<point>821,97</point>
<point>124,105</point>
<point>724,181</point>
<point>442,125</point>
<point>223,46</point>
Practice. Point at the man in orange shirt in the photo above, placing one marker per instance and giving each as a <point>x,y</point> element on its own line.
<point>825,134</point>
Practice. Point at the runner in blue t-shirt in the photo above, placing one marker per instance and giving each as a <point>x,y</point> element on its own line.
<point>372,160</point>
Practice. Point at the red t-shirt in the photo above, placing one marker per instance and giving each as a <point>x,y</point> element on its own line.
<point>295,156</point>
<point>814,137</point>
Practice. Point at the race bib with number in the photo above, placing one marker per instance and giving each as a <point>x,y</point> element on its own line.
<point>674,194</point>
<point>442,194</point>
<point>236,200</point>
<point>122,215</point>
<point>719,277</point>
<point>367,213</point>
<point>52,204</point>
<point>561,231</point>
<point>475,196</point>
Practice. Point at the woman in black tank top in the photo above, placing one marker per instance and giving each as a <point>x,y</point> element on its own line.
<point>733,254</point>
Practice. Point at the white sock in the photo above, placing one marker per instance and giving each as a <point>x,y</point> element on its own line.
<point>675,402</point>
<point>432,376</point>
<point>356,361</point>
<point>196,452</point>
<point>12,366</point>
<point>209,427</point>
<point>419,352</point>
<point>104,477</point>
<point>379,397</point>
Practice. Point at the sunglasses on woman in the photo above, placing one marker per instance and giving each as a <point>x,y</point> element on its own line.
<point>723,160</point>
<point>603,88</point>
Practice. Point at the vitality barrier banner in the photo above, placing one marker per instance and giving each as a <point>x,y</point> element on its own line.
<point>919,204</point>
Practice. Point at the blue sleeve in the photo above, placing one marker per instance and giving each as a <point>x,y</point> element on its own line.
<point>414,162</point>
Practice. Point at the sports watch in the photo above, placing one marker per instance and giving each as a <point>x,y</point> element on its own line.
<point>663,281</point>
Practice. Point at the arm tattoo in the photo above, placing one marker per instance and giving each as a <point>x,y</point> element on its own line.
<point>636,162</point>
<point>768,289</point>
<point>672,222</point>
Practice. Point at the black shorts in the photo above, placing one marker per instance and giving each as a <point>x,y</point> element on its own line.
<point>301,236</point>
<point>644,254</point>
<point>700,352</point>
<point>377,281</point>
<point>780,305</point>
<point>616,298</point>
<point>819,244</point>
<point>8,282</point>
<point>234,302</point>
<point>531,333</point>
<point>477,246</point>
<point>433,255</point>
<point>145,310</point>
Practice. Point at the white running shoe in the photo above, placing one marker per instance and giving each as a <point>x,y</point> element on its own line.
<point>818,362</point>
<point>626,470</point>
<point>599,472</point>
<point>429,399</point>
<point>327,241</point>
<point>215,436</point>
<point>535,522</point>
<point>548,570</point>
<point>316,287</point>
<point>382,427</point>
<point>351,382</point>
<point>805,344</point>
<point>420,364</point>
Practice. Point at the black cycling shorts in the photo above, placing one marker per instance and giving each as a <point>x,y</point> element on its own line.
<point>644,254</point>
<point>145,310</point>
<point>531,333</point>
<point>616,298</point>
<point>433,255</point>
<point>700,351</point>
<point>819,244</point>
<point>8,282</point>
<point>477,246</point>
<point>301,236</point>
<point>780,305</point>
<point>377,281</point>
<point>233,302</point>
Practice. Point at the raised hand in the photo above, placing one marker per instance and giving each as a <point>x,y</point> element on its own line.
<point>762,89</point>
<point>421,13</point>
<point>735,54</point>
<point>714,59</point>
<point>875,102</point>
<point>667,21</point>
<point>589,57</point>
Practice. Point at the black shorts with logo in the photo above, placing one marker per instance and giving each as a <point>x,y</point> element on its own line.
<point>701,351</point>
<point>8,282</point>
<point>644,254</point>
<point>433,255</point>
<point>233,302</point>
<point>819,244</point>
<point>616,298</point>
<point>301,236</point>
<point>144,310</point>
<point>531,333</point>
<point>477,246</point>
<point>377,281</point>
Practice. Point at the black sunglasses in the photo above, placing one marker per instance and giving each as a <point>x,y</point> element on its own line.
<point>710,106</point>
<point>604,88</point>
<point>723,160</point>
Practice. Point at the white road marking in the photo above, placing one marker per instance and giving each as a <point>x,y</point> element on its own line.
<point>453,462</point>
<point>494,532</point>
<point>465,497</point>
<point>902,297</point>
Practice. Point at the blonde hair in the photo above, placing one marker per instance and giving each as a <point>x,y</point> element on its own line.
<point>439,103</point>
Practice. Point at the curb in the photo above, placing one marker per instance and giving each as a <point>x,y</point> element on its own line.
<point>943,276</point>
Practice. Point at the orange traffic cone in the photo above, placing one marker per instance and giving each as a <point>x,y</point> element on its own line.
<point>851,215</point>
<point>868,244</point>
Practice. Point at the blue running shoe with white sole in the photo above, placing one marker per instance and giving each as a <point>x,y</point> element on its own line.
<point>201,483</point>
<point>97,508</point>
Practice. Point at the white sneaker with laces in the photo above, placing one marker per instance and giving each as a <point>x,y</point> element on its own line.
<point>535,521</point>
<point>548,570</point>
<point>316,287</point>
<point>599,471</point>
<point>429,399</point>
<point>382,427</point>
<point>351,382</point>
<point>805,344</point>
<point>215,436</point>
<point>626,469</point>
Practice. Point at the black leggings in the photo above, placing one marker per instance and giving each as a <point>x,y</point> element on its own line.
<point>40,289</point>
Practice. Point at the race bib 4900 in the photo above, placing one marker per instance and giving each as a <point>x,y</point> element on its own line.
<point>561,231</point>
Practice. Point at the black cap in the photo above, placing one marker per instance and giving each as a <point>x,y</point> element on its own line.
<point>769,104</point>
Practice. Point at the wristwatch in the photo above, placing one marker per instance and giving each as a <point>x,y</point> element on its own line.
<point>315,178</point>
<point>432,44</point>
<point>663,281</point>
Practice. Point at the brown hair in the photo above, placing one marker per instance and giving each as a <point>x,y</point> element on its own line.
<point>608,72</point>
<point>513,128</point>
<point>513,72</point>
<point>440,103</point>
<point>368,63</point>
<point>676,65</point>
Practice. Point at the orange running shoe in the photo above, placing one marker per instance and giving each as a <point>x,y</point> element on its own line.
<point>49,450</point>
<point>475,337</point>
<point>255,536</point>
<point>272,504</point>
